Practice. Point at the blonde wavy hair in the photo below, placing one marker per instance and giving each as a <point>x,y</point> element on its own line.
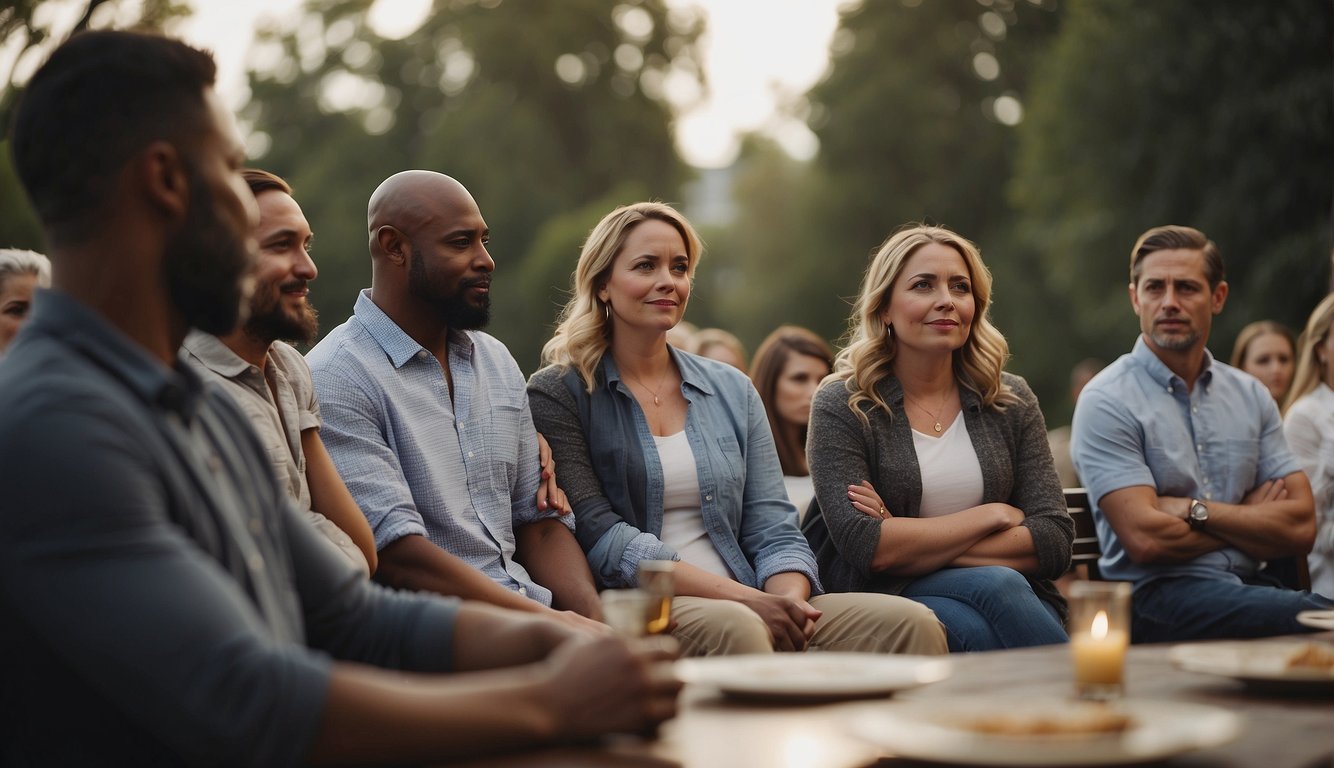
<point>1310,368</point>
<point>583,332</point>
<point>868,356</point>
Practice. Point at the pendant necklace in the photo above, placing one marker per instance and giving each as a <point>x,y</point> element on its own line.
<point>663,380</point>
<point>935,416</point>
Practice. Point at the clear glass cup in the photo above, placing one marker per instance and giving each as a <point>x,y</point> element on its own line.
<point>658,579</point>
<point>626,611</point>
<point>1099,637</point>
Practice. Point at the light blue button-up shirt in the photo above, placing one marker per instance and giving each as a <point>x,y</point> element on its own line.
<point>1136,423</point>
<point>464,474</point>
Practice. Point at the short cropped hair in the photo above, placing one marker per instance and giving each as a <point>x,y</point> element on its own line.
<point>15,261</point>
<point>101,98</point>
<point>263,181</point>
<point>1175,237</point>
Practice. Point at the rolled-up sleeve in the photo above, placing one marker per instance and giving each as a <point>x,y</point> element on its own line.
<point>838,453</point>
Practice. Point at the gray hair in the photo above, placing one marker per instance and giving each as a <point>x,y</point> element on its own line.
<point>15,261</point>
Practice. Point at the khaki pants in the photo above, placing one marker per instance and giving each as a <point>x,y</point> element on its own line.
<point>852,621</point>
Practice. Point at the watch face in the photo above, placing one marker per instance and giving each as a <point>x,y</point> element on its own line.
<point>1198,511</point>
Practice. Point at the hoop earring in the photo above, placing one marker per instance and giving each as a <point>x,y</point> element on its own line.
<point>889,331</point>
<point>606,312</point>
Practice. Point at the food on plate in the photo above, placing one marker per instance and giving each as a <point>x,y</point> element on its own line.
<point>1087,720</point>
<point>1311,656</point>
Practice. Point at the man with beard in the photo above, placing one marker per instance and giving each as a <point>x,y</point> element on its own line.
<point>164,601</point>
<point>270,380</point>
<point>427,418</point>
<point>1185,462</point>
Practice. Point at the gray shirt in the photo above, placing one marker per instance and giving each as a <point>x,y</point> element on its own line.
<point>280,403</point>
<point>163,601</point>
<point>1011,448</point>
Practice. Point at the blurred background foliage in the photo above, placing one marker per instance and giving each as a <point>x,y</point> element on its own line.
<point>1051,132</point>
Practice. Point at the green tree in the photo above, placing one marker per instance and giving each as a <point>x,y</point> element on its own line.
<point>538,108</point>
<point>1219,115</point>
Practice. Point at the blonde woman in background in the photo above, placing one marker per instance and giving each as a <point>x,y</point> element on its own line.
<point>931,465</point>
<point>787,370</point>
<point>1266,350</point>
<point>21,273</point>
<point>665,455</point>
<point>717,344</point>
<point>1308,425</point>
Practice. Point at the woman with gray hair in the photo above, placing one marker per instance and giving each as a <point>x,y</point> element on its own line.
<point>20,274</point>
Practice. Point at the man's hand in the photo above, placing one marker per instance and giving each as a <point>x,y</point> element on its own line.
<point>580,624</point>
<point>609,685</point>
<point>549,494</point>
<point>1272,490</point>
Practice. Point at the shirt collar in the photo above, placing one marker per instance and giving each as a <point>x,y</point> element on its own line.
<point>692,372</point>
<point>397,345</point>
<point>1162,375</point>
<point>69,321</point>
<point>215,355</point>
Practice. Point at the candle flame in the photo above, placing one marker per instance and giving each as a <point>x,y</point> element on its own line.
<point>1099,628</point>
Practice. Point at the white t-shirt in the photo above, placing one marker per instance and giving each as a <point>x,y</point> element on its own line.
<point>951,474</point>
<point>682,518</point>
<point>800,491</point>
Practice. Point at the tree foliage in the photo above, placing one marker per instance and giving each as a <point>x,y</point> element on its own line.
<point>1218,115</point>
<point>538,108</point>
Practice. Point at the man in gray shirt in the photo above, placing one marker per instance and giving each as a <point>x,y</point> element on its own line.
<point>271,381</point>
<point>164,603</point>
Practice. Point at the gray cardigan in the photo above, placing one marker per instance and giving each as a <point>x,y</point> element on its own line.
<point>1011,447</point>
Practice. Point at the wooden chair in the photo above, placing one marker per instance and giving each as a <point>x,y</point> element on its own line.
<point>1086,550</point>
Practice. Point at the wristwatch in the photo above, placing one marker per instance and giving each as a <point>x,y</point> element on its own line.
<point>1198,515</point>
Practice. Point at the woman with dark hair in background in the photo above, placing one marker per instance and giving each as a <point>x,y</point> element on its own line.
<point>787,370</point>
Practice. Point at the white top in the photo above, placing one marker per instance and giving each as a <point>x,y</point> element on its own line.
<point>800,491</point>
<point>951,474</point>
<point>682,518</point>
<point>1309,428</point>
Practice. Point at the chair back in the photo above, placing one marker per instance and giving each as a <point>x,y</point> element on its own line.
<point>1086,550</point>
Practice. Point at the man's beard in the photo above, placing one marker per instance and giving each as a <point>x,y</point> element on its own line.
<point>1175,343</point>
<point>206,264</point>
<point>453,304</point>
<point>269,321</point>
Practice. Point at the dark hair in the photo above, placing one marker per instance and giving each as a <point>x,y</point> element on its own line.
<point>1175,237</point>
<point>765,370</point>
<point>263,181</point>
<point>102,97</point>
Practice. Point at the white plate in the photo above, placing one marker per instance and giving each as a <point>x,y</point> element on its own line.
<point>932,730</point>
<point>813,675</point>
<point>1317,619</point>
<point>1261,663</point>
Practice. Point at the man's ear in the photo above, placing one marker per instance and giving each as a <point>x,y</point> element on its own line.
<point>393,244</point>
<point>1134,298</point>
<point>159,170</point>
<point>1220,296</point>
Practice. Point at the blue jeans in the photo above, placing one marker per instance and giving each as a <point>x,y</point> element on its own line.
<point>987,608</point>
<point>1191,608</point>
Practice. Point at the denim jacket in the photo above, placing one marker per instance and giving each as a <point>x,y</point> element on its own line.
<point>608,466</point>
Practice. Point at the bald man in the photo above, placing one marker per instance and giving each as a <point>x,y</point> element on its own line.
<point>427,419</point>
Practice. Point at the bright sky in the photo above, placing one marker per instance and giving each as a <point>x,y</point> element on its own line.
<point>758,55</point>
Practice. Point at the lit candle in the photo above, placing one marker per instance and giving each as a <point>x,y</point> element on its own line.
<point>1100,653</point>
<point>1099,637</point>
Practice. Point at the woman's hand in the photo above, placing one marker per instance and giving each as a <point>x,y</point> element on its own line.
<point>865,500</point>
<point>549,494</point>
<point>791,622</point>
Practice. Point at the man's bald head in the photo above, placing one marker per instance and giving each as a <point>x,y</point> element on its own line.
<point>408,201</point>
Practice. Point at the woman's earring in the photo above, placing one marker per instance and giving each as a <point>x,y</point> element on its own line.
<point>889,331</point>
<point>606,312</point>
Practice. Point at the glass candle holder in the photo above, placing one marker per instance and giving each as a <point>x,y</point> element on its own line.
<point>658,579</point>
<point>1099,637</point>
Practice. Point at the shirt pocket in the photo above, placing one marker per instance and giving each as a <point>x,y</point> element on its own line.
<point>1241,460</point>
<point>502,441</point>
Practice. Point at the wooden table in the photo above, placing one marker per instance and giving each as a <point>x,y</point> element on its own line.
<point>1278,731</point>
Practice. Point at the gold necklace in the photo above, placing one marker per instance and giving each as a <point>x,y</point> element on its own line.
<point>663,380</point>
<point>935,416</point>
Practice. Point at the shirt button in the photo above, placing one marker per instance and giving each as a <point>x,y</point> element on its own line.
<point>256,563</point>
<point>523,590</point>
<point>462,425</point>
<point>421,353</point>
<point>709,497</point>
<point>1199,447</point>
<point>470,454</point>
